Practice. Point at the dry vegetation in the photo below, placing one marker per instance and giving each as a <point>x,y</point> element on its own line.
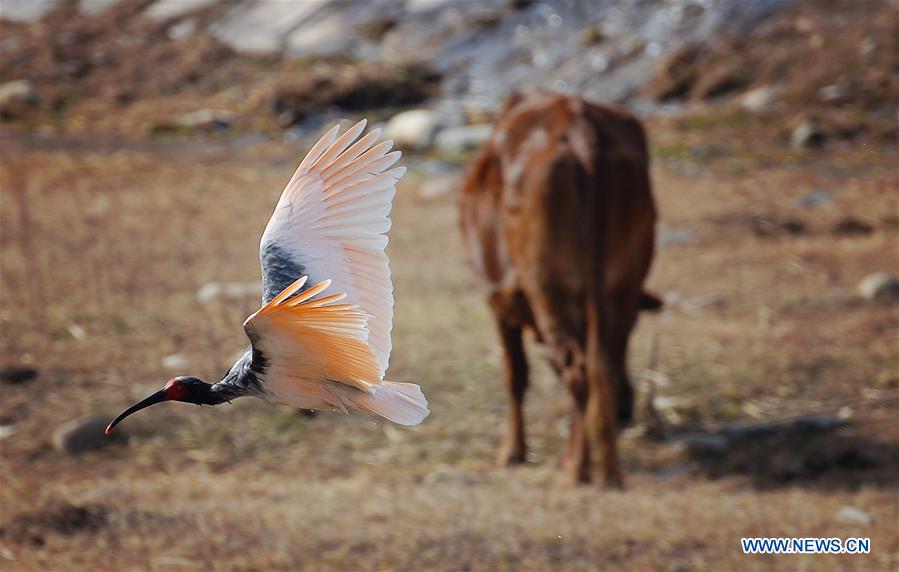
<point>104,247</point>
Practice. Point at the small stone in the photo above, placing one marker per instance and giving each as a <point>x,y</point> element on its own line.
<point>14,375</point>
<point>231,291</point>
<point>818,197</point>
<point>205,120</point>
<point>760,99</point>
<point>82,435</point>
<point>807,135</point>
<point>852,515</point>
<point>879,287</point>
<point>850,226</point>
<point>77,332</point>
<point>181,29</point>
<point>175,361</point>
<point>833,93</point>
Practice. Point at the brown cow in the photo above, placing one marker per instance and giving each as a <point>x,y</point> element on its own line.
<point>558,221</point>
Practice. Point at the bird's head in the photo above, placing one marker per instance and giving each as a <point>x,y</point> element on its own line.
<point>181,388</point>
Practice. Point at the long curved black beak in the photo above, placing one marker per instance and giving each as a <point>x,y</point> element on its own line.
<point>157,397</point>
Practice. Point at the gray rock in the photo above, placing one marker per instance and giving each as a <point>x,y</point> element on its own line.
<point>454,140</point>
<point>25,10</point>
<point>262,26</point>
<point>165,9</point>
<point>833,93</point>
<point>879,287</point>
<point>414,129</point>
<point>807,135</point>
<point>7,431</point>
<point>669,236</point>
<point>82,435</point>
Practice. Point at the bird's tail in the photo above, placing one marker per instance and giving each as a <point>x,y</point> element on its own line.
<point>402,403</point>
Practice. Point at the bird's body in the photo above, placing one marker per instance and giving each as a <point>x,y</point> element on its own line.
<point>310,348</point>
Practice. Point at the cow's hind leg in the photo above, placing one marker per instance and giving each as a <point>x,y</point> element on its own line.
<point>515,375</point>
<point>601,413</point>
<point>604,401</point>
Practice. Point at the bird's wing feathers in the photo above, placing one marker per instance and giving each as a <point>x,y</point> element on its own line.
<point>314,338</point>
<point>331,223</point>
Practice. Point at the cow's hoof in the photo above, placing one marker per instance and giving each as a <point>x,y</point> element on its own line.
<point>574,479</point>
<point>509,457</point>
<point>613,482</point>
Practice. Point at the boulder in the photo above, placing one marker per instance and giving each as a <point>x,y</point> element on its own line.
<point>414,129</point>
<point>807,135</point>
<point>82,435</point>
<point>16,97</point>
<point>879,287</point>
<point>14,375</point>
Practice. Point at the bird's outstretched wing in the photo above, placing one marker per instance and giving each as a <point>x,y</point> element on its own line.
<point>331,223</point>
<point>330,226</point>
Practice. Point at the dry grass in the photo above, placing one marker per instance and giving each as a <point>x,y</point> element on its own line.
<point>117,240</point>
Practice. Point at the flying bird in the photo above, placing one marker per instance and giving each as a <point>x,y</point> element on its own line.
<point>321,339</point>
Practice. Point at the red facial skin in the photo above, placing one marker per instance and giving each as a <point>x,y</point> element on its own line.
<point>175,390</point>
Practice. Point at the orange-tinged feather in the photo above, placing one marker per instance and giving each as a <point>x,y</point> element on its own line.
<point>330,338</point>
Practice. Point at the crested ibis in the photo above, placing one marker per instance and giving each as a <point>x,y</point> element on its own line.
<point>321,339</point>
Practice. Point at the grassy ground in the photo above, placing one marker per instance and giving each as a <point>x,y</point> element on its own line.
<point>104,246</point>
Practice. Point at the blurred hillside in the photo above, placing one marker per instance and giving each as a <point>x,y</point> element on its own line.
<point>145,66</point>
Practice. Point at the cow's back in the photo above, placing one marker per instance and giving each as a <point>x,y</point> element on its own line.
<point>558,201</point>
